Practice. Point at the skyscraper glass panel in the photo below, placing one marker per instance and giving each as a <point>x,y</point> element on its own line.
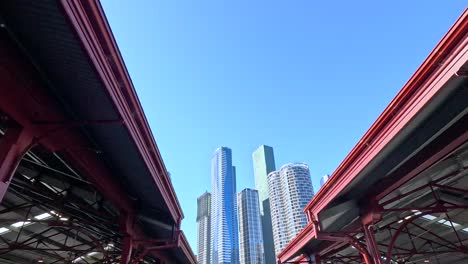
<point>204,228</point>
<point>250,228</point>
<point>264,163</point>
<point>224,230</point>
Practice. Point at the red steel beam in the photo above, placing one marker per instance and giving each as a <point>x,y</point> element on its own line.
<point>88,20</point>
<point>25,100</point>
<point>428,80</point>
<point>13,146</point>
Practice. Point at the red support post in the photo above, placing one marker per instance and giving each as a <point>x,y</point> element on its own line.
<point>13,145</point>
<point>126,227</point>
<point>317,259</point>
<point>127,248</point>
<point>371,243</point>
<point>373,215</point>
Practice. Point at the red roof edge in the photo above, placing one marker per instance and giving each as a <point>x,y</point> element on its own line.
<point>389,117</point>
<point>92,27</point>
<point>411,98</point>
<point>184,245</point>
<point>306,235</point>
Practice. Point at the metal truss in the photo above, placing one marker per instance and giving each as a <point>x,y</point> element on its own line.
<point>407,238</point>
<point>50,213</point>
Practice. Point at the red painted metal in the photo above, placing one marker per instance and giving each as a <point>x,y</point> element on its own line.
<point>309,233</point>
<point>423,85</point>
<point>428,80</point>
<point>26,101</point>
<point>343,237</point>
<point>371,244</point>
<point>127,248</point>
<point>317,259</point>
<point>404,224</point>
<point>127,222</point>
<point>88,20</point>
<point>13,145</point>
<point>447,150</point>
<point>147,249</point>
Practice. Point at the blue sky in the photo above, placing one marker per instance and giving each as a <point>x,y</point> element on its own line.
<point>305,77</point>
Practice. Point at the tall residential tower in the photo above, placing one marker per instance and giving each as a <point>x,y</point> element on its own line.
<point>264,163</point>
<point>290,190</point>
<point>224,231</point>
<point>250,228</point>
<point>204,228</point>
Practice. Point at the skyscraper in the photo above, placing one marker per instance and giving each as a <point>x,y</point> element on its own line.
<point>224,232</point>
<point>324,179</point>
<point>264,163</point>
<point>290,190</point>
<point>204,228</point>
<point>250,228</point>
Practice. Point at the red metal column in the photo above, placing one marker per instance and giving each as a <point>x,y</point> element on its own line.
<point>372,215</point>
<point>127,248</point>
<point>317,259</point>
<point>13,145</point>
<point>126,227</point>
<point>372,244</point>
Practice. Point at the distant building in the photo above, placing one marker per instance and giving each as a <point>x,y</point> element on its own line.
<point>250,228</point>
<point>224,231</point>
<point>264,163</point>
<point>290,189</point>
<point>324,179</point>
<point>204,228</point>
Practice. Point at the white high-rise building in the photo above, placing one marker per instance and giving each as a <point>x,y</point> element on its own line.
<point>290,189</point>
<point>204,228</point>
<point>250,228</point>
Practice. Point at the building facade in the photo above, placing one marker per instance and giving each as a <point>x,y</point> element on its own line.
<point>324,179</point>
<point>204,228</point>
<point>224,228</point>
<point>264,163</point>
<point>290,189</point>
<point>250,228</point>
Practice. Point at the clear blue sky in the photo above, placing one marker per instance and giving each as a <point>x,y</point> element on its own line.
<point>305,77</point>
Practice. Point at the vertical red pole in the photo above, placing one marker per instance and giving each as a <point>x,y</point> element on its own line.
<point>372,215</point>
<point>126,227</point>
<point>127,246</point>
<point>372,246</point>
<point>13,145</point>
<point>317,259</point>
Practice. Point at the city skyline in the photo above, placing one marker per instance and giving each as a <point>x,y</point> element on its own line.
<point>242,219</point>
<point>214,73</point>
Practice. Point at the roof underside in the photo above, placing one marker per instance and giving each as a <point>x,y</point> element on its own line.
<point>42,33</point>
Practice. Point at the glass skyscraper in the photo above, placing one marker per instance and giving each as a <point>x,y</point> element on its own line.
<point>290,190</point>
<point>224,231</point>
<point>324,179</point>
<point>250,228</point>
<point>264,163</point>
<point>204,228</point>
